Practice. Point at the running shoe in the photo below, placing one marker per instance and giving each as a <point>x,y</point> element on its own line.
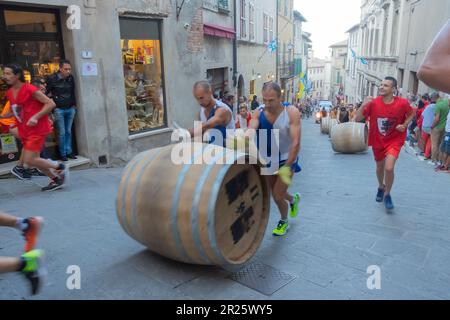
<point>34,269</point>
<point>34,172</point>
<point>380,195</point>
<point>31,233</point>
<point>388,202</point>
<point>21,173</point>
<point>281,229</point>
<point>293,212</point>
<point>55,184</point>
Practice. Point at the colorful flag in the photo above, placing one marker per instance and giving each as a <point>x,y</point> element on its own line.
<point>272,46</point>
<point>364,61</point>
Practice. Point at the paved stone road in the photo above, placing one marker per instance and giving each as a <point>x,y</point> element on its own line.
<point>339,234</point>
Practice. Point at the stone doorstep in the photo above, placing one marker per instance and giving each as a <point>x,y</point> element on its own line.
<point>78,164</point>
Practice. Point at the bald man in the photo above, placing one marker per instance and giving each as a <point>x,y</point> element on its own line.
<point>213,114</point>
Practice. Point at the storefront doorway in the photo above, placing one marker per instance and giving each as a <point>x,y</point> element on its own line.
<point>32,38</point>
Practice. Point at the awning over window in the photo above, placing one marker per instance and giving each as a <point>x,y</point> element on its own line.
<point>218,31</point>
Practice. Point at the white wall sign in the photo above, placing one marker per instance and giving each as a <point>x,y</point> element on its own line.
<point>89,70</point>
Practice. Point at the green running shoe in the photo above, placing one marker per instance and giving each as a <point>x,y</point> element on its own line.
<point>281,229</point>
<point>293,212</point>
<point>34,269</point>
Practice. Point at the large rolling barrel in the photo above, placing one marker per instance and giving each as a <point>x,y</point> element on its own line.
<point>350,137</point>
<point>325,125</point>
<point>333,123</point>
<point>210,213</point>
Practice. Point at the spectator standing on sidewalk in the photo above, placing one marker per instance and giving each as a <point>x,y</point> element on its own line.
<point>61,88</point>
<point>438,129</point>
<point>427,122</point>
<point>445,147</point>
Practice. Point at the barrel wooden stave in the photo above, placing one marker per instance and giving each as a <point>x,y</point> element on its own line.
<point>146,212</point>
<point>325,125</point>
<point>350,138</point>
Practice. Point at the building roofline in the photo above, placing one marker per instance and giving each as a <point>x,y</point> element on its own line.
<point>298,15</point>
<point>356,26</point>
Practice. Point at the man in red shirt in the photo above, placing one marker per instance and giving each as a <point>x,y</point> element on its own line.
<point>389,118</point>
<point>31,108</point>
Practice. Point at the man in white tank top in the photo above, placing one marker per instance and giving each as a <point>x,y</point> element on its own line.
<point>274,116</point>
<point>213,114</point>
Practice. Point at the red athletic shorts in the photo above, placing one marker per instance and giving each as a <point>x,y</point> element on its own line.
<point>381,154</point>
<point>33,143</point>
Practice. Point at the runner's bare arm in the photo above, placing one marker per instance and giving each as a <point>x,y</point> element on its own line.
<point>197,118</point>
<point>409,119</point>
<point>49,104</point>
<point>360,113</point>
<point>295,131</point>
<point>435,69</point>
<point>254,125</point>
<point>221,118</point>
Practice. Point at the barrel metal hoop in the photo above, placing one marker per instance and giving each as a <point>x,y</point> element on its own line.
<point>137,186</point>
<point>195,204</point>
<point>175,204</point>
<point>131,167</point>
<point>211,212</point>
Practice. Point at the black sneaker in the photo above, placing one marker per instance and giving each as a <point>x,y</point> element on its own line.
<point>380,195</point>
<point>35,172</point>
<point>72,156</point>
<point>21,173</point>
<point>55,184</point>
<point>64,159</point>
<point>34,269</point>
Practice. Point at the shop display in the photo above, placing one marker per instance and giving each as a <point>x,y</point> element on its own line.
<point>144,94</point>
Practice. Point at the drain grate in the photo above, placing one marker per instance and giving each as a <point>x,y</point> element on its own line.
<point>262,278</point>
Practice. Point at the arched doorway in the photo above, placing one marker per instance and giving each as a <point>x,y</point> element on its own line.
<point>241,86</point>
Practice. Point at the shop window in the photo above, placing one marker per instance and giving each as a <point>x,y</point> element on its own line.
<point>22,21</point>
<point>142,65</point>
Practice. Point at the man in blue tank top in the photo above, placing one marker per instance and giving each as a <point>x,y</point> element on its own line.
<point>271,116</point>
<point>213,114</point>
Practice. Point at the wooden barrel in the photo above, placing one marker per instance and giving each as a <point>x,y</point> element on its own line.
<point>210,213</point>
<point>333,123</point>
<point>350,137</point>
<point>325,125</point>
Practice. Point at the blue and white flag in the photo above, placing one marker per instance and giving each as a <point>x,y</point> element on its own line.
<point>272,46</point>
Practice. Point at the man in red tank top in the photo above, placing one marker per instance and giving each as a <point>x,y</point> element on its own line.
<point>389,118</point>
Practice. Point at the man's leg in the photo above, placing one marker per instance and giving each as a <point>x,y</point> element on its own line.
<point>59,117</point>
<point>435,139</point>
<point>33,160</point>
<point>7,220</point>
<point>279,194</point>
<point>380,174</point>
<point>442,157</point>
<point>30,265</point>
<point>68,118</point>
<point>30,227</point>
<point>427,144</point>
<point>389,173</point>
<point>8,264</point>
